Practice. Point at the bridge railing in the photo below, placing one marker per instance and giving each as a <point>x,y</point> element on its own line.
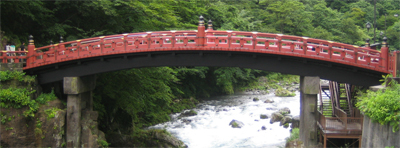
<point>13,56</point>
<point>213,40</point>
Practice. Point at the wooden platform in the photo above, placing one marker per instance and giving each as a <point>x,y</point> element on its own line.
<point>334,127</point>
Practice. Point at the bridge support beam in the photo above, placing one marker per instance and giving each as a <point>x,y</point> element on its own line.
<point>79,97</point>
<point>309,89</point>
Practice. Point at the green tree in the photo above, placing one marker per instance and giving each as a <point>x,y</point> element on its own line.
<point>283,12</point>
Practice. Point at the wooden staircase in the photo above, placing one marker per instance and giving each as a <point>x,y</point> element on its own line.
<point>336,95</point>
<point>341,97</point>
<point>324,102</point>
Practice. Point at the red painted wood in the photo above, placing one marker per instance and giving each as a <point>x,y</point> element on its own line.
<point>209,39</point>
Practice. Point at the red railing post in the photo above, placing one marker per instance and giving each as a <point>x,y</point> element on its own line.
<point>395,63</point>
<point>102,44</point>
<point>229,38</point>
<point>61,46</point>
<point>78,46</point>
<point>330,52</point>
<point>125,40</point>
<point>384,54</point>
<point>305,45</point>
<point>30,58</point>
<point>254,40</point>
<point>149,41</point>
<point>279,38</point>
<point>201,33</point>
<point>173,39</point>
<point>4,56</point>
<point>355,54</point>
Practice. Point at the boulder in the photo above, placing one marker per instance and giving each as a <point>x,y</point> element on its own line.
<point>255,99</point>
<point>280,92</point>
<point>275,117</point>
<point>285,120</point>
<point>286,125</point>
<point>236,124</point>
<point>188,113</point>
<point>295,122</point>
<point>269,101</point>
<point>263,128</point>
<point>187,121</point>
<point>284,111</point>
<point>264,116</point>
<point>163,139</point>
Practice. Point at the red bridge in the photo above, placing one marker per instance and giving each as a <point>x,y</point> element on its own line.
<point>273,52</point>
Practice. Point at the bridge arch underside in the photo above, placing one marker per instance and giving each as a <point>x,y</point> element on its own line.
<point>268,62</point>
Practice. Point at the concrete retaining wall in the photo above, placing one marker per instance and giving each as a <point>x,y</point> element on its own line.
<point>376,135</point>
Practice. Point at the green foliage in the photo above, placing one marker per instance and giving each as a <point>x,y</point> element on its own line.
<point>51,113</point>
<point>17,98</point>
<point>342,21</point>
<point>272,80</point>
<point>45,97</point>
<point>382,106</point>
<point>103,143</point>
<point>16,75</point>
<point>294,135</point>
<point>38,123</point>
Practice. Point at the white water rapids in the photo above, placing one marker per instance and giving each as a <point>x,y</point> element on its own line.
<point>210,127</point>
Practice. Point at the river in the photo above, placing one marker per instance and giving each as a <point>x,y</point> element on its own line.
<point>210,127</point>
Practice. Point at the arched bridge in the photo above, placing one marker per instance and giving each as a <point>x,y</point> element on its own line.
<point>207,47</point>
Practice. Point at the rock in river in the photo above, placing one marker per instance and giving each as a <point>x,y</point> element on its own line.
<point>263,116</point>
<point>236,124</point>
<point>255,99</point>
<point>269,101</point>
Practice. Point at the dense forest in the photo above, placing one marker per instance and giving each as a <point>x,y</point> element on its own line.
<point>131,99</point>
<point>337,20</point>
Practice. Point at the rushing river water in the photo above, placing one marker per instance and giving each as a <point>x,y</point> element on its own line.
<point>210,127</point>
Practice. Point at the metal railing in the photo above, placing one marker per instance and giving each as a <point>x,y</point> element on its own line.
<point>332,125</point>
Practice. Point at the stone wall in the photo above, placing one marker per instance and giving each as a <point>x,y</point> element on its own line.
<point>377,135</point>
<point>11,66</point>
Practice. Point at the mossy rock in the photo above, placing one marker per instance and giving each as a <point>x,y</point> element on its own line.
<point>236,124</point>
<point>263,116</point>
<point>280,92</point>
<point>188,113</point>
<point>255,99</point>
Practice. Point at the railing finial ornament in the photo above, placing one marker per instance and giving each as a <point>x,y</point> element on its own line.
<point>210,26</point>
<point>61,39</point>
<point>51,42</point>
<point>31,42</point>
<point>201,21</point>
<point>384,43</point>
<point>367,42</point>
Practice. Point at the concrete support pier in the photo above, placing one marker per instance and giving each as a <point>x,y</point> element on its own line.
<point>309,89</point>
<point>79,91</point>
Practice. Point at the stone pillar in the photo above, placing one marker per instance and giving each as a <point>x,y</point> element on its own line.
<point>309,90</point>
<point>79,97</point>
